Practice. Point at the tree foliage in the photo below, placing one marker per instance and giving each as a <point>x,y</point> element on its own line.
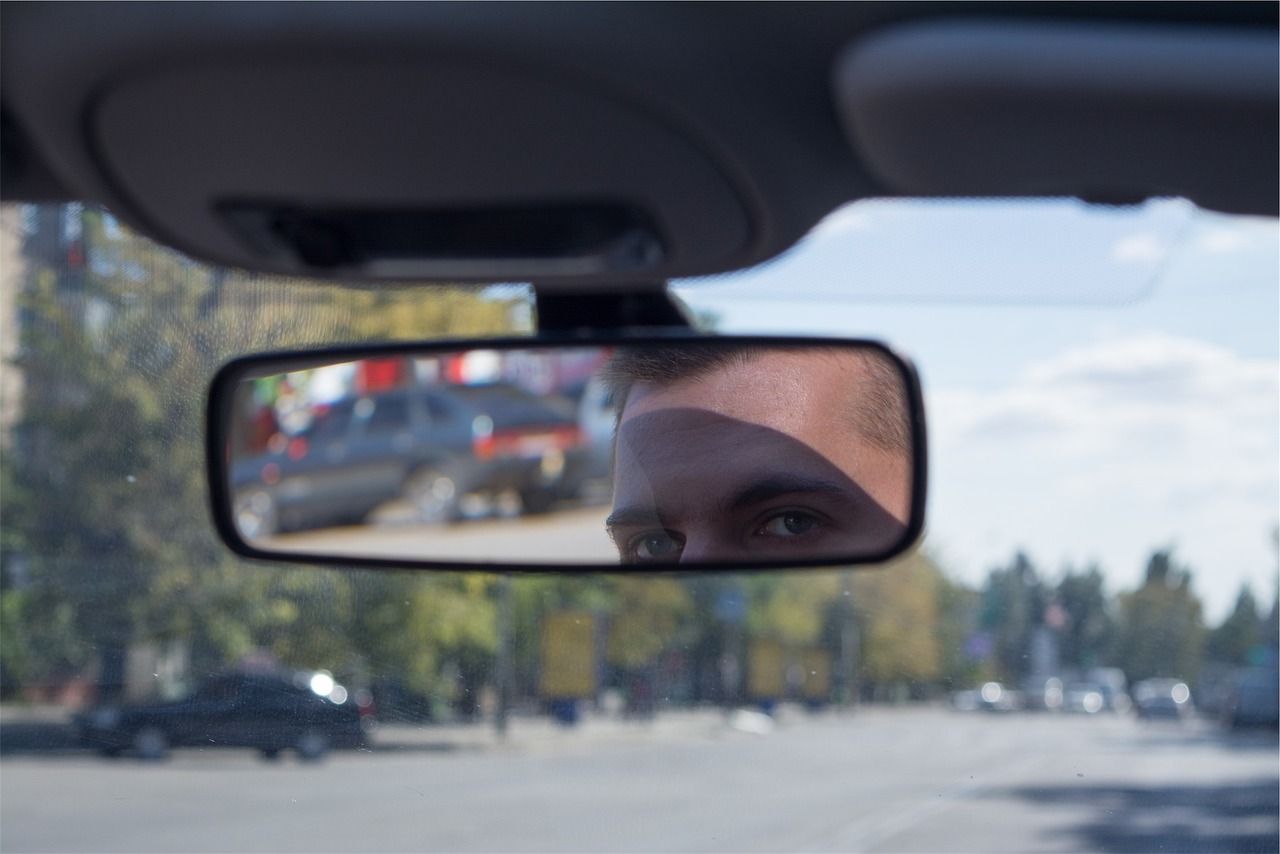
<point>1161,630</point>
<point>1088,629</point>
<point>1235,639</point>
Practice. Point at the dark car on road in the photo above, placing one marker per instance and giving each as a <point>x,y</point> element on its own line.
<point>1254,699</point>
<point>1162,699</point>
<point>267,712</point>
<point>429,447</point>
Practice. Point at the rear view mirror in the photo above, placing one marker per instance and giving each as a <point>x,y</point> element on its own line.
<point>661,452</point>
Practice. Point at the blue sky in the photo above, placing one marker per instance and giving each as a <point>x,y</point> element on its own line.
<point>1100,381</point>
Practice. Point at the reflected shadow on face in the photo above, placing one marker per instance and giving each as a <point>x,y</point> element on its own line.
<point>694,486</point>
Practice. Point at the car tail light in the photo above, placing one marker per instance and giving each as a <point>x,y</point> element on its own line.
<point>529,440</point>
<point>570,437</point>
<point>482,440</point>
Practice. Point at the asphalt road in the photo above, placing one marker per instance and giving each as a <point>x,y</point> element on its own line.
<point>876,780</point>
<point>571,535</point>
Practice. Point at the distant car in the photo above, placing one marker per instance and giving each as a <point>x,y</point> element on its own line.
<point>430,447</point>
<point>1111,682</point>
<point>1083,698</point>
<point>308,713</point>
<point>1042,694</point>
<point>397,703</point>
<point>1162,699</point>
<point>991,697</point>
<point>1254,699</point>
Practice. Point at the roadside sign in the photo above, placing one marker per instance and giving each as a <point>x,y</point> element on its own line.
<point>766,676</point>
<point>568,647</point>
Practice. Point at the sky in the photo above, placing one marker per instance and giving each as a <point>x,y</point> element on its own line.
<point>1099,382</point>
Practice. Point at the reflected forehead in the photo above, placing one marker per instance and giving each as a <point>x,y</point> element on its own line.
<point>692,462</point>
<point>785,390</point>
<point>688,437</point>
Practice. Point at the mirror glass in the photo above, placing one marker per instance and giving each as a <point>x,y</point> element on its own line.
<point>658,453</point>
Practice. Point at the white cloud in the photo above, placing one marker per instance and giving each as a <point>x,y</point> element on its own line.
<point>1112,449</point>
<point>1141,248</point>
<point>1217,240</point>
<point>1118,390</point>
<point>1217,234</point>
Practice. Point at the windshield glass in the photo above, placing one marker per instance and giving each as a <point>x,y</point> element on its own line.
<point>1081,655</point>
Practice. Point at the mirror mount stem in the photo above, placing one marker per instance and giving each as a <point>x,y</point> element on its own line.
<point>647,306</point>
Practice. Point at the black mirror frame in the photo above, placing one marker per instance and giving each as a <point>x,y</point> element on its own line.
<point>231,373</point>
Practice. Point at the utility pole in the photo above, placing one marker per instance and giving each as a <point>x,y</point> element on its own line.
<point>503,667</point>
<point>848,641</point>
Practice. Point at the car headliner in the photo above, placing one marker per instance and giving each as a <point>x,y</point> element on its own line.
<point>735,128</point>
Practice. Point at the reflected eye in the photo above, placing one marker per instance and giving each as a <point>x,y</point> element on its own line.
<point>792,523</point>
<point>654,546</point>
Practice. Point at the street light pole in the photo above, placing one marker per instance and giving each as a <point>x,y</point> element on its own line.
<point>503,669</point>
<point>848,641</point>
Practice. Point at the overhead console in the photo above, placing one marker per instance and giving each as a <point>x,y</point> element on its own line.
<point>613,145</point>
<point>411,169</point>
<point>1111,112</point>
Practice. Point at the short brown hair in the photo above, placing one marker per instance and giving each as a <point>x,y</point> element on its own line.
<point>881,415</point>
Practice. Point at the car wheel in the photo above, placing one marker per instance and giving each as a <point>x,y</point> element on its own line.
<point>535,501</point>
<point>312,745</point>
<point>151,743</point>
<point>255,514</point>
<point>432,494</point>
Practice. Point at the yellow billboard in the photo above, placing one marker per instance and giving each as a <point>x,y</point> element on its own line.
<point>568,660</point>
<point>766,670</point>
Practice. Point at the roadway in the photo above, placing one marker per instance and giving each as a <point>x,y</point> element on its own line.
<point>569,535</point>
<point>875,780</point>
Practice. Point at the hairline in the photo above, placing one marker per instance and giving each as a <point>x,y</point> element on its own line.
<point>881,389</point>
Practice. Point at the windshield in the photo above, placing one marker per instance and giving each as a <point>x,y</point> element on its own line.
<point>1081,655</point>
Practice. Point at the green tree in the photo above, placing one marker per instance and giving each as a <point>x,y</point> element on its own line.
<point>1013,604</point>
<point>1089,630</point>
<point>1233,641</point>
<point>111,524</point>
<point>1161,631</point>
<point>648,615</point>
<point>898,611</point>
<point>958,612</point>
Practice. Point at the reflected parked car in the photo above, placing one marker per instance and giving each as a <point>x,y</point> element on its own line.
<point>306,712</point>
<point>431,448</point>
<point>590,468</point>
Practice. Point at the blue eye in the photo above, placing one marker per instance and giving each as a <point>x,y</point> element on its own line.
<point>654,546</point>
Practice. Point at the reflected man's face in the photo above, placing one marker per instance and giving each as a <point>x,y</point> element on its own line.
<point>757,461</point>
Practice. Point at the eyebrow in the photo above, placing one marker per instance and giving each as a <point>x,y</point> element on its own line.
<point>776,486</point>
<point>767,489</point>
<point>632,517</point>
